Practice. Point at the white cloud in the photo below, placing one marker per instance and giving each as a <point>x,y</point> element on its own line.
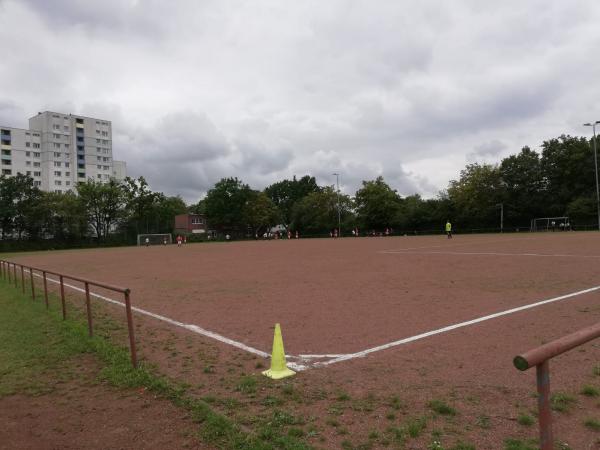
<point>268,89</point>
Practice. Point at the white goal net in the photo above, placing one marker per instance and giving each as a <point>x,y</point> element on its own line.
<point>550,224</point>
<point>154,239</point>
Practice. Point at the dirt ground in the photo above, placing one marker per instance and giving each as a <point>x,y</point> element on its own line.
<point>347,295</point>
<point>81,413</point>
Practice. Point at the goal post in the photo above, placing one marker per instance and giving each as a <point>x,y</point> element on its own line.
<point>154,239</point>
<point>551,224</point>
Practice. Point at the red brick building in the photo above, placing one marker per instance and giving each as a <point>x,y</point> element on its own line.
<point>190,223</point>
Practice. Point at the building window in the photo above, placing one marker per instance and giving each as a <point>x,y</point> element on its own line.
<point>57,173</point>
<point>28,154</point>
<point>57,183</point>
<point>37,174</point>
<point>37,183</point>
<point>79,121</point>
<point>67,164</point>
<point>36,154</point>
<point>6,162</point>
<point>99,176</point>
<point>68,183</point>
<point>99,167</point>
<point>57,163</point>
<point>67,174</point>
<point>56,145</point>
<point>6,172</point>
<point>98,158</point>
<point>29,173</point>
<point>81,166</point>
<point>36,164</point>
<point>106,167</point>
<point>67,145</point>
<point>67,155</point>
<point>27,144</point>
<point>197,221</point>
<point>66,128</point>
<point>36,145</point>
<point>28,163</point>
<point>57,154</point>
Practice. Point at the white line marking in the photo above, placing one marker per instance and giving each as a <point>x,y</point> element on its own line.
<point>321,356</point>
<point>558,255</point>
<point>189,327</point>
<point>453,327</point>
<point>461,244</point>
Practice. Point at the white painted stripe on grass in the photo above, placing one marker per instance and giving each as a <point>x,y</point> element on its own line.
<point>453,327</point>
<point>557,255</point>
<point>189,327</point>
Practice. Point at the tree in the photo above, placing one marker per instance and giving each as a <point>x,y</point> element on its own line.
<point>568,169</point>
<point>20,206</point>
<point>522,178</point>
<point>66,218</point>
<point>260,213</point>
<point>318,212</point>
<point>165,210</point>
<point>286,193</point>
<point>377,204</point>
<point>225,204</point>
<point>476,195</point>
<point>140,204</point>
<point>103,203</point>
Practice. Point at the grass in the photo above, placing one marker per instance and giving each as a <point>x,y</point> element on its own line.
<point>462,446</point>
<point>590,391</point>
<point>441,407</point>
<point>562,402</point>
<point>525,420</point>
<point>38,346</point>
<point>592,424</point>
<point>518,444</point>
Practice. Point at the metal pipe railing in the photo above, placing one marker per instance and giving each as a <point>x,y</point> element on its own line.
<point>5,273</point>
<point>539,357</point>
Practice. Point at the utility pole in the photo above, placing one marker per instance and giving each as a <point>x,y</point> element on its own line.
<point>593,125</point>
<point>337,178</point>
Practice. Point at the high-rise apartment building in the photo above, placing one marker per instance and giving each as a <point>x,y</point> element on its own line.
<point>59,150</point>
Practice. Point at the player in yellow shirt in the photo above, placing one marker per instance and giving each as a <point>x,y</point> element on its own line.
<point>449,229</point>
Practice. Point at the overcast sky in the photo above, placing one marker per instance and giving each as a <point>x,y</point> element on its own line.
<point>265,89</point>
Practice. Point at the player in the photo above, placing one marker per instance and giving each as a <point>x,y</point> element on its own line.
<point>179,240</point>
<point>147,241</point>
<point>297,235</point>
<point>164,241</point>
<point>449,229</point>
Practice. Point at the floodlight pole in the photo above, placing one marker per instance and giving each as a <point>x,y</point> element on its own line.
<point>337,178</point>
<point>593,125</point>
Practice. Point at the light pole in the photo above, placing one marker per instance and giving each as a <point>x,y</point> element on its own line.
<point>501,205</point>
<point>337,179</point>
<point>593,125</point>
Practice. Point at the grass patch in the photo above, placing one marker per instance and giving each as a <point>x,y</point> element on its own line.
<point>590,391</point>
<point>518,444</point>
<point>596,370</point>
<point>483,422</point>
<point>525,420</point>
<point>415,426</point>
<point>247,385</point>
<point>37,347</point>
<point>561,401</point>
<point>592,424</point>
<point>441,407</point>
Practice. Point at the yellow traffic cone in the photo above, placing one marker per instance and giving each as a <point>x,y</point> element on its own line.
<point>278,368</point>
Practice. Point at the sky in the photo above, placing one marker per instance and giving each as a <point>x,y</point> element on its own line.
<point>264,90</point>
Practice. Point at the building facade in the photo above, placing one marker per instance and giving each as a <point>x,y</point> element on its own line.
<point>59,150</point>
<point>190,223</point>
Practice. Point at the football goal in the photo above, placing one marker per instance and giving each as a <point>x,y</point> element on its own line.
<point>550,224</point>
<point>154,239</point>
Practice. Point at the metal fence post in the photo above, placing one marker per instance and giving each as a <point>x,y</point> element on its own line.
<point>23,279</point>
<point>545,413</point>
<point>32,283</point>
<point>8,271</point>
<point>45,289</point>
<point>89,308</point>
<point>15,275</point>
<point>131,330</point>
<point>62,297</point>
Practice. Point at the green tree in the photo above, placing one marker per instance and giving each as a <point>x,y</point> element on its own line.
<point>104,205</point>
<point>260,213</point>
<point>140,205</point>
<point>225,204</point>
<point>568,170</point>
<point>317,212</point>
<point>20,207</point>
<point>66,218</point>
<point>286,193</point>
<point>377,204</point>
<point>165,210</point>
<point>525,188</point>
<point>476,195</point>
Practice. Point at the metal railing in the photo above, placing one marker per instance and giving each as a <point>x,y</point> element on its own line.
<point>8,271</point>
<point>539,357</point>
